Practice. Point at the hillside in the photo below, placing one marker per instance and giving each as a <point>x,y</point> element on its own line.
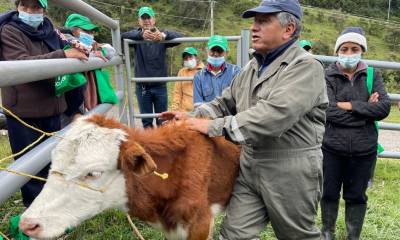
<point>322,26</point>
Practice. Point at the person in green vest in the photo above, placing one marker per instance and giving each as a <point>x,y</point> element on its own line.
<point>351,138</point>
<point>94,86</point>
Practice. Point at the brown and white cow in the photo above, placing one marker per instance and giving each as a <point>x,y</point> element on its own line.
<point>104,154</point>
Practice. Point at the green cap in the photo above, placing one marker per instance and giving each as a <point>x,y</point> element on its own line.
<point>218,41</point>
<point>77,20</point>
<point>190,51</point>
<point>43,3</point>
<point>146,10</point>
<point>305,43</point>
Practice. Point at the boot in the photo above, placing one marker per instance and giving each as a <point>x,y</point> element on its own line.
<point>329,210</point>
<point>354,217</point>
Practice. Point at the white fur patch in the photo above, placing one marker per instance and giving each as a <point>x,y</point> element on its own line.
<point>180,233</point>
<point>216,208</point>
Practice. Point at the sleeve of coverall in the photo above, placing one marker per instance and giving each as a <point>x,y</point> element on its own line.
<point>375,111</point>
<point>337,115</point>
<point>300,86</point>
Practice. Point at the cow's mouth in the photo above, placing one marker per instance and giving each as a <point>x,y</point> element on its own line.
<point>32,230</point>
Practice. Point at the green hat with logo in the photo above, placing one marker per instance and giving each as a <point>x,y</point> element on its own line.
<point>305,43</point>
<point>77,20</point>
<point>218,41</point>
<point>190,51</point>
<point>43,3</point>
<point>146,10</point>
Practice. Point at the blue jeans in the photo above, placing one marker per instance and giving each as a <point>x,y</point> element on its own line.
<point>20,137</point>
<point>149,98</point>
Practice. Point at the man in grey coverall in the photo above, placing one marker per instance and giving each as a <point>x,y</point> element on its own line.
<point>275,108</point>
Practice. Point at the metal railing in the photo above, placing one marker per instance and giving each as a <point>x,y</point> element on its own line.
<point>19,72</point>
<point>242,57</point>
<point>243,50</point>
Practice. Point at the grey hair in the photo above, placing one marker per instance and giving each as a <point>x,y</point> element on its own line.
<point>285,18</point>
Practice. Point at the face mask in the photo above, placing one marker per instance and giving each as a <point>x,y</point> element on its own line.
<point>216,61</point>
<point>192,63</point>
<point>33,20</point>
<point>86,39</point>
<point>349,61</point>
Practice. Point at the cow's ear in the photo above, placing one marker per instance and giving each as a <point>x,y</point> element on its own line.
<point>136,159</point>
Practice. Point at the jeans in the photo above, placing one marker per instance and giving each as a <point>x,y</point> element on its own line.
<point>152,97</point>
<point>20,137</point>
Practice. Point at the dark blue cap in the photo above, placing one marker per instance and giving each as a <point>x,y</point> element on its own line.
<point>275,6</point>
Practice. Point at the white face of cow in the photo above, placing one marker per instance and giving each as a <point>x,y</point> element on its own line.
<point>88,155</point>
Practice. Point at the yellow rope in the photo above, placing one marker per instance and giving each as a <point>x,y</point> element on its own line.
<point>23,150</point>
<point>5,236</point>
<point>26,124</point>
<point>137,232</point>
<point>23,174</point>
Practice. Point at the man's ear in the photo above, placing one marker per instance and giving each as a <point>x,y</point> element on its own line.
<point>134,158</point>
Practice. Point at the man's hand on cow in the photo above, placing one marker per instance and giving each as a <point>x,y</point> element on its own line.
<point>173,115</point>
<point>198,124</point>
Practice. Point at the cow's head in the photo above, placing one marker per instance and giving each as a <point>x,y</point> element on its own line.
<point>85,177</point>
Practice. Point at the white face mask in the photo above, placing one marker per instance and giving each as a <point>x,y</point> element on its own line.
<point>192,63</point>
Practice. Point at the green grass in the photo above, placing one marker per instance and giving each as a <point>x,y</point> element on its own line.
<point>394,116</point>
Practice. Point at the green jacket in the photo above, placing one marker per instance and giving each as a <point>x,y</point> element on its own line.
<point>284,108</point>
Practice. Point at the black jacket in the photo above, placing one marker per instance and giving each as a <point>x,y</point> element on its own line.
<point>353,132</point>
<point>150,57</point>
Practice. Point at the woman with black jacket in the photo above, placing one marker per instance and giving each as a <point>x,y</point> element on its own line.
<point>350,141</point>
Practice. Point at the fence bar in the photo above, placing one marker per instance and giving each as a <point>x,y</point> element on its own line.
<point>245,46</point>
<point>129,84</point>
<point>87,10</point>
<point>389,126</point>
<point>372,63</point>
<point>11,72</point>
<point>394,97</point>
<point>389,154</point>
<point>162,79</point>
<point>34,160</point>
<point>185,39</point>
<point>148,115</point>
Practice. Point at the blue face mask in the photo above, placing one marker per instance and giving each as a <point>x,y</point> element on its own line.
<point>216,61</point>
<point>349,61</point>
<point>86,39</point>
<point>33,20</point>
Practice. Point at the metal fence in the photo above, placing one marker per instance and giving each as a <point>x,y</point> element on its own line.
<point>242,57</point>
<point>19,72</point>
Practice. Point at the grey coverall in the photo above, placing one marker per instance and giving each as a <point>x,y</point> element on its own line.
<point>278,118</point>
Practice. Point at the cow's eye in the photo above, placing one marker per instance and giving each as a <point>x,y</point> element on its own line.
<point>94,174</point>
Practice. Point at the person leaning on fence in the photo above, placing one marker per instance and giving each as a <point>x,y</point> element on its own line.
<point>27,34</point>
<point>275,108</point>
<point>150,61</point>
<point>79,30</point>
<point>183,90</point>
<point>350,141</point>
<point>217,75</point>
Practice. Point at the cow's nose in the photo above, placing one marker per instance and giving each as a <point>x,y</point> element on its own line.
<point>30,227</point>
